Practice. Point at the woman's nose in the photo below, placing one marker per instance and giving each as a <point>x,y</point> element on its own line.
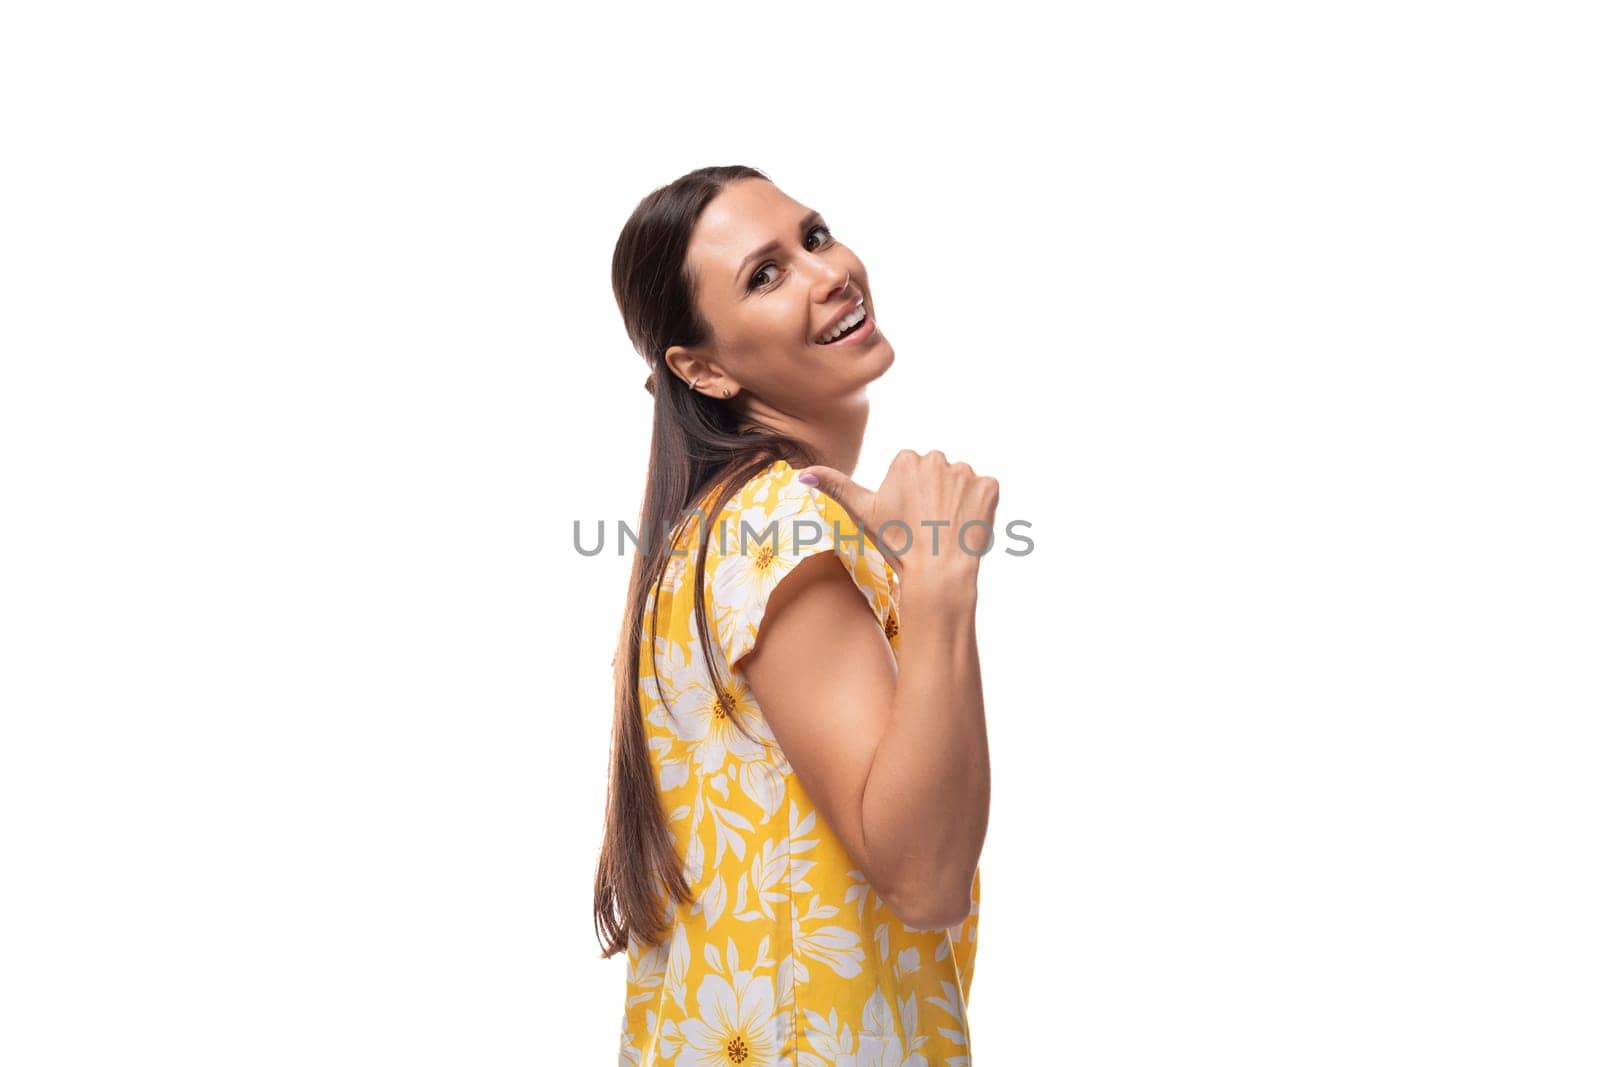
<point>834,282</point>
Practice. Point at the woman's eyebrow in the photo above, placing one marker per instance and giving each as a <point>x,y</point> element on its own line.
<point>811,219</point>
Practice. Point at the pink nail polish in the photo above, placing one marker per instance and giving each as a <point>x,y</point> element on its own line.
<point>807,479</point>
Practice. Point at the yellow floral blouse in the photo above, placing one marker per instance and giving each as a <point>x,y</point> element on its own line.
<point>786,955</point>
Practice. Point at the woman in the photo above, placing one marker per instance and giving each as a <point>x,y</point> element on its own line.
<point>800,772</point>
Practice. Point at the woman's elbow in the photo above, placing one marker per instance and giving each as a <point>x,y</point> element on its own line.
<point>929,912</point>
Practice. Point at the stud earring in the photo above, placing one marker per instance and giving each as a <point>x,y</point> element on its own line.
<point>695,382</point>
<point>724,392</point>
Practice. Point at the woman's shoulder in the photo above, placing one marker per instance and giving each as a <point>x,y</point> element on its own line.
<point>767,487</point>
<point>773,491</point>
<point>774,500</point>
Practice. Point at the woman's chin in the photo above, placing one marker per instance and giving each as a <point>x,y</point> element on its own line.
<point>880,359</point>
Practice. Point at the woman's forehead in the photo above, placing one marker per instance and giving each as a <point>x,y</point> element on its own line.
<point>746,215</point>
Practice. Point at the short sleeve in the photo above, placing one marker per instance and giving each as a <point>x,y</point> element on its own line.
<point>766,529</point>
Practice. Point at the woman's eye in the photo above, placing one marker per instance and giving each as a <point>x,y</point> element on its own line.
<point>755,279</point>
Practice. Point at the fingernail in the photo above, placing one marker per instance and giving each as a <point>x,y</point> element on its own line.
<point>807,479</point>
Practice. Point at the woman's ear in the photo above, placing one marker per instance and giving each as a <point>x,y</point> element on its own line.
<point>684,362</point>
<point>691,365</point>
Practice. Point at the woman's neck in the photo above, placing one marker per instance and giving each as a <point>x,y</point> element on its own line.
<point>835,436</point>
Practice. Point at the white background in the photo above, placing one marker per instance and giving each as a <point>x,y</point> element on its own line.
<point>1277,322</point>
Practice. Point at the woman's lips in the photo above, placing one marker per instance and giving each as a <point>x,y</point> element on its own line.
<point>868,328</point>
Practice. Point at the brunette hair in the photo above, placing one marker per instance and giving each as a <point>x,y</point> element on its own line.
<point>695,442</point>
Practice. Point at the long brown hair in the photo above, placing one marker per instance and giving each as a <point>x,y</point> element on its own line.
<point>695,441</point>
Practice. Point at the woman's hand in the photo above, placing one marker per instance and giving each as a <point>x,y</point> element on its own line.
<point>931,518</point>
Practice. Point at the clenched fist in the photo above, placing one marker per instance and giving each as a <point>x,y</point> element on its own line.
<point>931,518</point>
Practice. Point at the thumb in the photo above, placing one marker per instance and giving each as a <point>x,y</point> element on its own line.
<point>855,499</point>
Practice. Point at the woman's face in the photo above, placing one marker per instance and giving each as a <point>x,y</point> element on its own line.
<point>770,279</point>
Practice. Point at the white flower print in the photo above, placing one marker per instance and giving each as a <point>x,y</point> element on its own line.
<point>768,878</point>
<point>671,771</point>
<point>757,551</point>
<point>677,567</point>
<point>798,843</point>
<point>646,968</point>
<point>909,1027</point>
<point>879,1044</point>
<point>711,902</point>
<point>628,1054</point>
<point>828,1038</point>
<point>953,1004</point>
<point>701,716</point>
<point>678,966</point>
<point>730,829</point>
<point>860,890</point>
<point>763,782</point>
<point>694,860</point>
<point>735,1026</point>
<point>837,947</point>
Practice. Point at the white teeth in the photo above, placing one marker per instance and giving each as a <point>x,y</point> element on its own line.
<point>845,323</point>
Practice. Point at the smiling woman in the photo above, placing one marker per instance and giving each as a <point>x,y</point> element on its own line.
<point>799,786</point>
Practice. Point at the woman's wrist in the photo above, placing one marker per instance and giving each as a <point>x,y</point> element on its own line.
<point>940,588</point>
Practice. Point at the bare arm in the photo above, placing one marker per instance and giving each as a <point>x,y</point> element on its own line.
<point>927,795</point>
<point>895,757</point>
